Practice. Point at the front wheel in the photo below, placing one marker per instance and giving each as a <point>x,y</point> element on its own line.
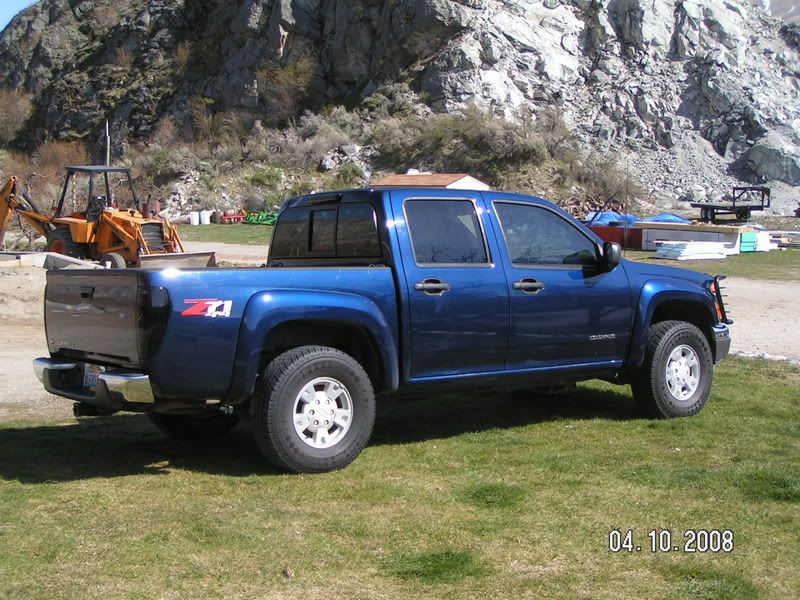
<point>313,410</point>
<point>675,378</point>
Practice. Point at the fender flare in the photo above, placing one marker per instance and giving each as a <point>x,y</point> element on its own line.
<point>268,309</point>
<point>653,294</point>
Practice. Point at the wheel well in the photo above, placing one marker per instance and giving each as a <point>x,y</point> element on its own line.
<point>350,338</point>
<point>695,313</point>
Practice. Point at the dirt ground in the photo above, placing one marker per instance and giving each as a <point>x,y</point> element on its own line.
<point>763,312</point>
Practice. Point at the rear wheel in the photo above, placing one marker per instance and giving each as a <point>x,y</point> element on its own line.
<point>675,378</point>
<point>60,241</point>
<point>116,260</point>
<point>187,427</point>
<point>313,410</point>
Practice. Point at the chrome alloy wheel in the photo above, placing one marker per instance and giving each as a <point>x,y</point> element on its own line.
<point>683,373</point>
<point>323,412</point>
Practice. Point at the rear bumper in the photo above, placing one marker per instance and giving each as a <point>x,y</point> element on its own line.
<point>722,341</point>
<point>114,389</point>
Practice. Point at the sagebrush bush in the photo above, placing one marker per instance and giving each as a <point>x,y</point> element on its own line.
<point>124,58</point>
<point>350,174</point>
<point>166,132</point>
<point>15,109</point>
<point>268,177</point>
<point>472,141</point>
<point>52,157</point>
<point>285,89</point>
<point>183,56</point>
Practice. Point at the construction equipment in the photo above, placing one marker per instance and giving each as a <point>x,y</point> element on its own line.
<point>116,236</point>
<point>740,204</point>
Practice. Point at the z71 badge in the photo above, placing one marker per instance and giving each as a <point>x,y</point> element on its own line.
<point>208,307</point>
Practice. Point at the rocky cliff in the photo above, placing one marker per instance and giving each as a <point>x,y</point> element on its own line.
<point>692,95</point>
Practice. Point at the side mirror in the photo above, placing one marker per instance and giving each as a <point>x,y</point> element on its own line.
<point>612,254</point>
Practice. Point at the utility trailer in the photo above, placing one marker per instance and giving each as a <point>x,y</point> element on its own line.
<point>741,204</point>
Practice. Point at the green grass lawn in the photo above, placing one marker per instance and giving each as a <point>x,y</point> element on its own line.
<point>780,265</point>
<point>490,496</point>
<point>227,234</point>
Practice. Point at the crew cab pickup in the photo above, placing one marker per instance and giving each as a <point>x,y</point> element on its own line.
<point>371,291</point>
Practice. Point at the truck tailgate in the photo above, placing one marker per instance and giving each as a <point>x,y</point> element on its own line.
<point>93,315</point>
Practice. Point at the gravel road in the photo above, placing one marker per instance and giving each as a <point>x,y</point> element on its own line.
<point>764,313</point>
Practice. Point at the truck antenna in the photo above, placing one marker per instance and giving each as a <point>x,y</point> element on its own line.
<point>108,145</point>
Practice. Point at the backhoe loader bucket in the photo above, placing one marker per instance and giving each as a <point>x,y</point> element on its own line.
<point>182,260</point>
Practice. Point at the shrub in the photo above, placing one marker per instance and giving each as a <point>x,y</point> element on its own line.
<point>183,55</point>
<point>124,58</point>
<point>52,157</point>
<point>268,178</point>
<point>284,90</point>
<point>202,117</point>
<point>166,132</point>
<point>227,128</point>
<point>350,174</point>
<point>473,141</point>
<point>16,109</point>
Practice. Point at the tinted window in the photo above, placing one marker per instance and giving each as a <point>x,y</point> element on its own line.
<point>537,236</point>
<point>290,239</point>
<point>323,231</point>
<point>445,231</point>
<point>357,234</point>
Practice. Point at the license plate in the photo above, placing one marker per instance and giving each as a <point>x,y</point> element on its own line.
<point>90,373</point>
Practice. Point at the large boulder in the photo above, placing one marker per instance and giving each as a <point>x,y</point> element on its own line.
<point>773,157</point>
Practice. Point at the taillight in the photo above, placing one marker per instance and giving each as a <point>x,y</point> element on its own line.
<point>153,313</point>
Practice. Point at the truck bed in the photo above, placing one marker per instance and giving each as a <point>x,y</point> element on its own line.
<point>116,318</point>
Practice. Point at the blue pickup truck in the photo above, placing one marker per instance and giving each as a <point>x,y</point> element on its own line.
<point>370,291</point>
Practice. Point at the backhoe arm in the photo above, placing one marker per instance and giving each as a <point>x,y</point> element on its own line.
<point>9,205</point>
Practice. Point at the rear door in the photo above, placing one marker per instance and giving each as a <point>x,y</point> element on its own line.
<point>458,298</point>
<point>567,309</point>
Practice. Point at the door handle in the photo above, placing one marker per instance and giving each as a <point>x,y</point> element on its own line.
<point>87,292</point>
<point>528,285</point>
<point>432,286</point>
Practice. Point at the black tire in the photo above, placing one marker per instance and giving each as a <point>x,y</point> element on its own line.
<point>712,215</point>
<point>704,215</point>
<point>60,240</point>
<point>743,215</point>
<point>116,260</point>
<point>272,409</point>
<point>649,383</point>
<point>192,427</point>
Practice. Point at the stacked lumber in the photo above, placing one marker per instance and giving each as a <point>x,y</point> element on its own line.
<point>686,250</point>
<point>785,239</point>
<point>764,242</point>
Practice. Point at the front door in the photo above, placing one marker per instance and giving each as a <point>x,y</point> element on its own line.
<point>457,295</point>
<point>567,309</point>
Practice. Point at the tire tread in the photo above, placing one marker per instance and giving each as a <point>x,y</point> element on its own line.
<point>263,412</point>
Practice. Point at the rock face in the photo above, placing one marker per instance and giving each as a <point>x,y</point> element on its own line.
<point>687,92</point>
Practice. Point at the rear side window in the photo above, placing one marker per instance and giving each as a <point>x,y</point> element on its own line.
<point>357,233</point>
<point>445,232</point>
<point>290,239</point>
<point>537,236</point>
<point>348,230</point>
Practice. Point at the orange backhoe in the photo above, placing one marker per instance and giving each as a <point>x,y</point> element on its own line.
<point>116,236</point>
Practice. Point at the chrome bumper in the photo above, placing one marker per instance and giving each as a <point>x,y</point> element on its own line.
<point>64,378</point>
<point>722,341</point>
<point>133,387</point>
